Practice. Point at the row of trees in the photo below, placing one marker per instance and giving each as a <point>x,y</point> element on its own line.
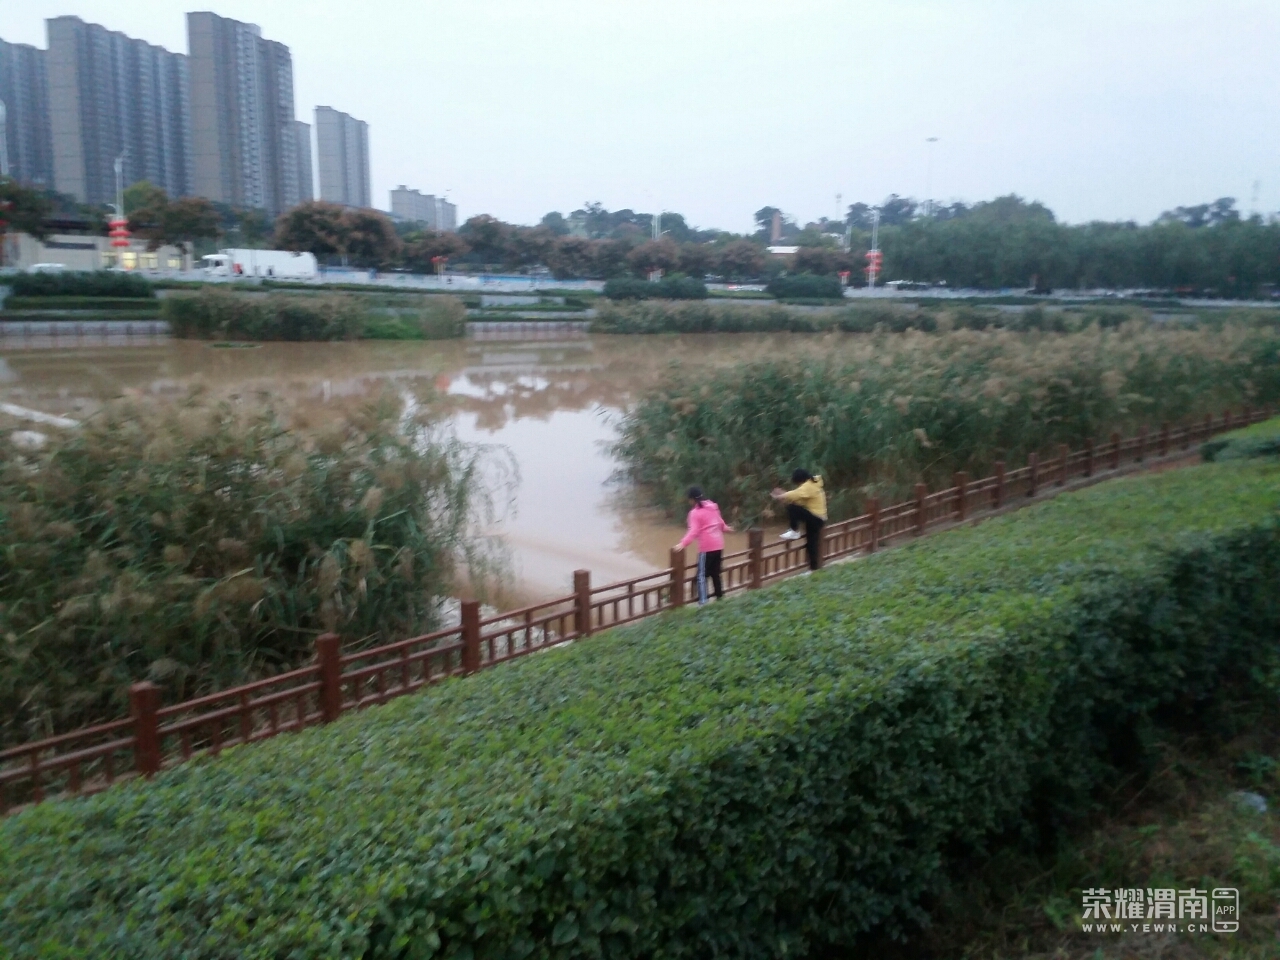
<point>367,238</point>
<point>1004,243</point>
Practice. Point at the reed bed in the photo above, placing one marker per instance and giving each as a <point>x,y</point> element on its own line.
<point>206,543</point>
<point>876,414</point>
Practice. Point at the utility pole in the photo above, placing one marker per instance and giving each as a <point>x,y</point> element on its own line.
<point>655,223</point>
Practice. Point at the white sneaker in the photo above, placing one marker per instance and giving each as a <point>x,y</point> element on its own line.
<point>789,535</point>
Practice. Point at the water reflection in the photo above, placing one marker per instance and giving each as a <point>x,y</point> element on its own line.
<point>550,403</point>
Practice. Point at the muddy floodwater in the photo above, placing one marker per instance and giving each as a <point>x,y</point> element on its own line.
<point>549,406</point>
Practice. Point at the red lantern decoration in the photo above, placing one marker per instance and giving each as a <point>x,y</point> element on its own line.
<point>119,232</point>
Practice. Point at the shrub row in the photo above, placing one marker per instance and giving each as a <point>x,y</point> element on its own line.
<point>722,317</point>
<point>132,304</point>
<point>201,544</point>
<point>806,286</point>
<point>216,314</point>
<point>1259,440</point>
<point>778,774</point>
<point>97,283</point>
<point>668,288</point>
<point>219,314</point>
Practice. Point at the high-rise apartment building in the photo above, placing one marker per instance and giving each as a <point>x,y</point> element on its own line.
<point>109,96</point>
<point>306,179</point>
<point>342,154</point>
<point>436,213</point>
<point>244,137</point>
<point>24,91</point>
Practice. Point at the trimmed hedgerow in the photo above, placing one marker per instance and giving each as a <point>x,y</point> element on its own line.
<point>806,286</point>
<point>95,283</point>
<point>1259,440</point>
<point>760,778</point>
<point>668,288</point>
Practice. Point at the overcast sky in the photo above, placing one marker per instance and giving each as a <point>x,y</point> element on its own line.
<point>1102,109</point>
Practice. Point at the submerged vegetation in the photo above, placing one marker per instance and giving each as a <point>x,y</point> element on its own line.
<point>875,415</point>
<point>204,543</point>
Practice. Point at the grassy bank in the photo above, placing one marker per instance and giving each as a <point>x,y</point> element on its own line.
<point>875,415</point>
<point>219,314</point>
<point>790,771</point>
<point>1188,822</point>
<point>201,544</point>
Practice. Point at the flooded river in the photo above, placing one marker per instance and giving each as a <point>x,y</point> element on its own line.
<point>550,403</point>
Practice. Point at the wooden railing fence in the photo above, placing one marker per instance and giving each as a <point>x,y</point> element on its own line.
<point>154,736</point>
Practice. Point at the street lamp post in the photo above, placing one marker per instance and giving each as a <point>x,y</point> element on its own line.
<point>928,177</point>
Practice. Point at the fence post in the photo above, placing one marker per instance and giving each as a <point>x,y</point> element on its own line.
<point>144,705</point>
<point>1164,439</point>
<point>582,596</point>
<point>997,496</point>
<point>1033,461</point>
<point>961,484</point>
<point>1115,450</point>
<point>755,543</point>
<point>922,491</point>
<point>1088,457</point>
<point>1063,452</point>
<point>677,576</point>
<point>1208,426</point>
<point>873,511</point>
<point>470,636</point>
<point>1142,444</point>
<point>328,655</point>
<point>1226,421</point>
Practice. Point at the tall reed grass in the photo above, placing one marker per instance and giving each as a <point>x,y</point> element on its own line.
<point>206,543</point>
<point>876,414</point>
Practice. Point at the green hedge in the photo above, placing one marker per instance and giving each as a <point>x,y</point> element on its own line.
<point>133,304</point>
<point>98,283</point>
<point>757,779</point>
<point>806,286</point>
<point>668,288</point>
<point>214,314</point>
<point>1259,440</point>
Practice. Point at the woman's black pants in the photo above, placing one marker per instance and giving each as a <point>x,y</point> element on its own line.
<point>798,516</point>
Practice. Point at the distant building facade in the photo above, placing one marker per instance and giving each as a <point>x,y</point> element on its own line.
<point>306,178</point>
<point>89,251</point>
<point>111,95</point>
<point>342,155</point>
<point>435,212</point>
<point>24,91</point>
<point>244,135</point>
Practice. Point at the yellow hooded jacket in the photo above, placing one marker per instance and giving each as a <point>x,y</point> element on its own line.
<point>809,495</point>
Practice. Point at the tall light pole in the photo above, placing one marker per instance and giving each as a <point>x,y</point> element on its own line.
<point>928,177</point>
<point>4,143</point>
<point>874,257</point>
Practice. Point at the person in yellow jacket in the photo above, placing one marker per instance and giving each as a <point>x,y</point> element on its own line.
<point>807,507</point>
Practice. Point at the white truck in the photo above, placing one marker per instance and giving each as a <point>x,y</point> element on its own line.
<point>281,264</point>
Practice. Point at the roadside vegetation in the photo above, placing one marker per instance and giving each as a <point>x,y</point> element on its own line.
<point>789,773</point>
<point>207,542</point>
<point>874,415</point>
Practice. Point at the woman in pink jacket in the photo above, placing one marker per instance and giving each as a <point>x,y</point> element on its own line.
<point>708,528</point>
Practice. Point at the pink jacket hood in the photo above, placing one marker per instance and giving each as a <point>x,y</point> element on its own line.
<point>706,526</point>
